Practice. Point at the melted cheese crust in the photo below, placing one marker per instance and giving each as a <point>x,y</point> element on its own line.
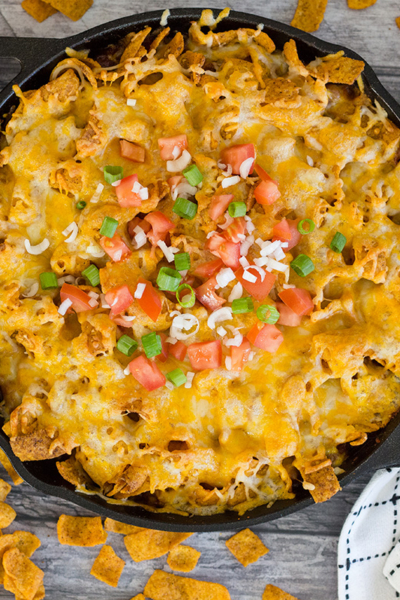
<point>233,440</point>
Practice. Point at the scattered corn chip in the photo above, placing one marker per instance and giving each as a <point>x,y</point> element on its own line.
<point>325,484</point>
<point>398,22</point>
<point>38,10</point>
<point>80,531</point>
<point>183,558</point>
<point>117,527</point>
<point>337,69</point>
<point>138,597</point>
<point>5,461</point>
<point>5,489</point>
<point>108,566</point>
<point>273,593</point>
<point>148,543</point>
<point>74,9</point>
<point>21,574</point>
<point>292,57</point>
<point>7,515</point>
<point>25,541</point>
<point>247,547</point>
<point>309,14</point>
<point>359,4</point>
<point>165,586</point>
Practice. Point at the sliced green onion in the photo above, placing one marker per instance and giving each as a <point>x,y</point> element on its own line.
<point>48,281</point>
<point>268,314</point>
<point>108,227</point>
<point>152,344</point>
<point>92,275</point>
<point>112,174</point>
<point>192,175</point>
<point>185,208</point>
<point>127,345</point>
<point>80,205</point>
<point>302,265</point>
<point>188,300</point>
<point>182,261</point>
<point>338,242</point>
<point>242,305</point>
<point>237,209</point>
<point>168,279</point>
<point>177,377</point>
<point>310,226</point>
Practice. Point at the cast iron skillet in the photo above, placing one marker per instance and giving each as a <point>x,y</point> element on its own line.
<point>37,58</point>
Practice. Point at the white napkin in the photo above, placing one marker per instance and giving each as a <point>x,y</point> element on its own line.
<point>369,552</point>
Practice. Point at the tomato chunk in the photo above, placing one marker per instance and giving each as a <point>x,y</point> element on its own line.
<point>132,151</point>
<point>206,295</point>
<point>282,231</point>
<point>160,225</point>
<point>205,355</point>
<point>164,352</point>
<point>138,222</point>
<point>147,373</point>
<point>235,155</point>
<point>265,336</point>
<point>294,233</point>
<point>150,301</point>
<point>287,316</point>
<point>115,247</point>
<point>174,180</point>
<point>259,289</point>
<point>236,232</point>
<point>228,252</point>
<point>126,197</point>
<point>240,355</point>
<point>119,299</point>
<point>178,350</point>
<point>208,269</point>
<point>266,192</point>
<point>167,145</point>
<point>218,205</point>
<point>298,300</point>
<point>80,299</point>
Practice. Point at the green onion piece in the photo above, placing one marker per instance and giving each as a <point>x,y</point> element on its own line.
<point>192,175</point>
<point>112,174</point>
<point>80,205</point>
<point>92,275</point>
<point>185,208</point>
<point>242,305</point>
<point>310,226</point>
<point>268,314</point>
<point>48,281</point>
<point>108,227</point>
<point>127,345</point>
<point>168,280</point>
<point>182,261</point>
<point>237,209</point>
<point>177,377</point>
<point>338,242</point>
<point>152,344</point>
<point>188,300</point>
<point>302,265</point>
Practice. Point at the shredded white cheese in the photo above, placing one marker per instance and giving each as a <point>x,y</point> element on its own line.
<point>164,17</point>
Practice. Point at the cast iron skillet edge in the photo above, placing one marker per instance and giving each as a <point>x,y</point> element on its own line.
<point>37,58</point>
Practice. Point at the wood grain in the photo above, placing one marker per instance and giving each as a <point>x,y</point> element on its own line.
<point>302,557</point>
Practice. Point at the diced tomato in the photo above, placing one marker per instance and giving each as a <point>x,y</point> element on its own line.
<point>236,230</point>
<point>266,192</point>
<point>228,252</point>
<point>177,350</point>
<point>80,299</point>
<point>235,155</point>
<point>282,231</point>
<point>208,269</point>
<point>218,205</point>
<point>132,151</point>
<point>240,355</point>
<point>160,225</point>
<point>287,316</point>
<point>147,373</point>
<point>298,300</point>
<point>206,295</point>
<point>167,145</point>
<point>266,337</point>
<point>294,232</point>
<point>214,242</point>
<point>150,301</point>
<point>138,222</point>
<point>119,299</point>
<point>205,355</point>
<point>175,180</point>
<point>259,289</point>
<point>164,352</point>
<point>115,247</point>
<point>263,175</point>
<point>126,197</point>
<point>120,321</point>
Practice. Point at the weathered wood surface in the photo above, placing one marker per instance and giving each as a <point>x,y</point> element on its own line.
<point>302,558</point>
